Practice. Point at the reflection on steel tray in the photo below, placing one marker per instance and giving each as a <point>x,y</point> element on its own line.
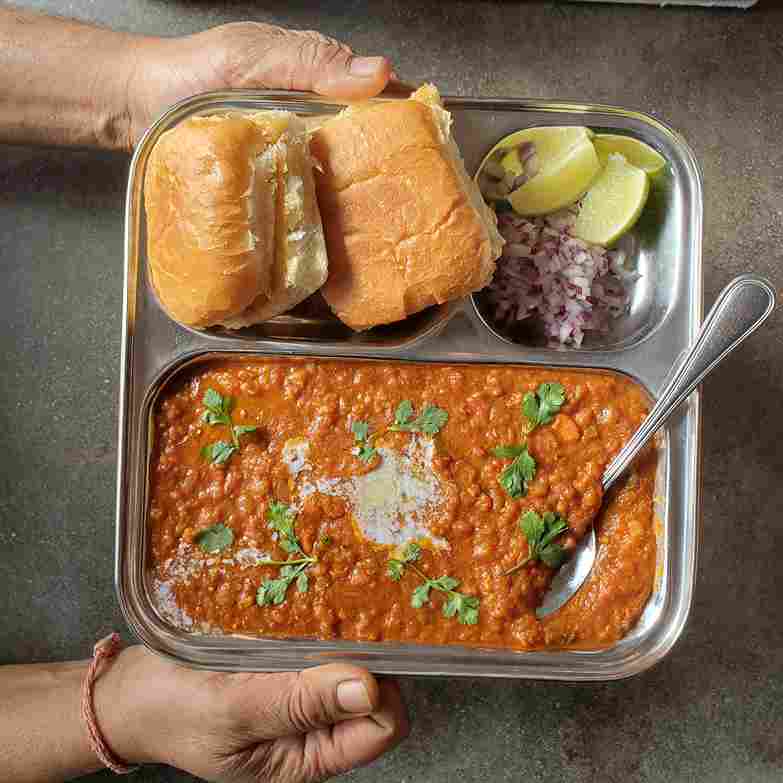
<point>664,316</point>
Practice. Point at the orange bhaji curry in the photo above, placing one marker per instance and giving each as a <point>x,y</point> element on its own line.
<point>387,501</point>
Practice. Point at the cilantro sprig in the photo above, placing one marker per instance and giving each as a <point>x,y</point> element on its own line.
<point>218,408</point>
<point>522,470</point>
<point>541,406</point>
<point>273,591</point>
<point>430,421</point>
<point>363,439</point>
<point>541,532</point>
<point>464,607</point>
<point>538,408</point>
<point>218,412</point>
<point>396,565</point>
<point>282,519</point>
<point>218,452</point>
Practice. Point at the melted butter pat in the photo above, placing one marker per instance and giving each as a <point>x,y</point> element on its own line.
<point>391,504</point>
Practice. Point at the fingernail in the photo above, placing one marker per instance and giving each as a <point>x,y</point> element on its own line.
<point>365,67</point>
<point>352,697</point>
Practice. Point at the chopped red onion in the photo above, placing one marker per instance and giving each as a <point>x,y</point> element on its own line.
<point>545,271</point>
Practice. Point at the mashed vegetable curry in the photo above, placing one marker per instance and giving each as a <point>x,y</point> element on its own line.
<point>385,501</point>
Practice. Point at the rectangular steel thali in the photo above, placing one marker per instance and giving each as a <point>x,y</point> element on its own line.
<point>665,312</point>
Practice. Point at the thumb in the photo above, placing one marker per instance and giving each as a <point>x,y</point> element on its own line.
<point>307,60</point>
<point>329,67</point>
<point>354,743</point>
<point>296,703</point>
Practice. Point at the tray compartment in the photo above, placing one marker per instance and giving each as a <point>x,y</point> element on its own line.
<point>222,651</point>
<point>657,247</point>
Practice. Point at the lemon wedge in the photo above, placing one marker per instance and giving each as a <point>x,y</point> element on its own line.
<point>636,152</point>
<point>613,203</point>
<point>564,165</point>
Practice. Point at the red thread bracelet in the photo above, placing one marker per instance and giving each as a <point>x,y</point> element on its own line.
<point>104,650</point>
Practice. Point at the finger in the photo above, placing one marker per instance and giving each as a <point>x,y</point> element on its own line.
<point>354,743</point>
<point>306,60</point>
<point>330,68</point>
<point>278,705</point>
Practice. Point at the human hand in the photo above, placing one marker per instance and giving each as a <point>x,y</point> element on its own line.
<point>246,55</point>
<point>237,728</point>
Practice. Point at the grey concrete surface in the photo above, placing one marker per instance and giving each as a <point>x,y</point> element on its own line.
<point>713,710</point>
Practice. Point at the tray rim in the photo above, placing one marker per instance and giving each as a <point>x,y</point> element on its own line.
<point>563,359</point>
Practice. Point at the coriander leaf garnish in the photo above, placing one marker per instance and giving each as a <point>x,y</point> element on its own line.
<point>281,518</point>
<point>302,582</point>
<point>273,591</point>
<point>430,421</point>
<point>540,408</point>
<point>421,595</point>
<point>396,566</point>
<point>366,452</point>
<point>361,433</point>
<point>465,607</point>
<point>516,477</point>
<point>218,452</point>
<point>218,412</point>
<point>218,408</point>
<point>360,429</point>
<point>509,452</point>
<point>541,532</point>
<point>403,413</point>
<point>444,583</point>
<point>214,538</point>
<point>243,429</point>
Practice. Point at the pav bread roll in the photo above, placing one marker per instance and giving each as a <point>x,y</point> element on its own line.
<point>234,232</point>
<point>405,226</point>
<point>300,266</point>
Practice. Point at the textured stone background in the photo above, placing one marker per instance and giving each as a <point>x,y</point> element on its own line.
<point>713,709</point>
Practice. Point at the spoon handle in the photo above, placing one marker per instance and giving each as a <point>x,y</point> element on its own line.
<point>739,310</point>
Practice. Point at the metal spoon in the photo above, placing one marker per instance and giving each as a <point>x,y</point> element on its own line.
<point>740,309</point>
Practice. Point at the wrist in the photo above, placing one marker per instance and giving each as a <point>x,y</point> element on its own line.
<point>160,72</point>
<point>118,117</point>
<point>142,71</point>
<point>127,707</point>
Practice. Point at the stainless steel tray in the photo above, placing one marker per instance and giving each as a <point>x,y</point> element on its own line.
<point>665,313</point>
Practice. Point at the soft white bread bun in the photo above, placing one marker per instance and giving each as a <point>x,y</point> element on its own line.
<point>405,225</point>
<point>300,266</point>
<point>218,224</point>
